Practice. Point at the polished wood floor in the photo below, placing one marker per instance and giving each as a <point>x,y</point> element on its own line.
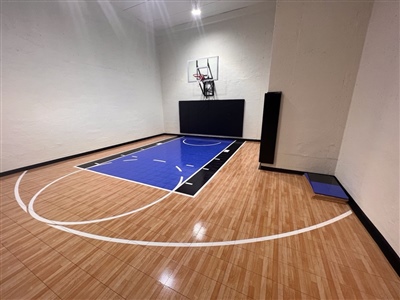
<point>336,261</point>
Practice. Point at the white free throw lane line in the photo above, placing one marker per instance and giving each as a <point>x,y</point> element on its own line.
<point>159,160</point>
<point>54,222</point>
<point>168,244</point>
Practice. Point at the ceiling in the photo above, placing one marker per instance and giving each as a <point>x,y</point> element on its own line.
<point>163,14</point>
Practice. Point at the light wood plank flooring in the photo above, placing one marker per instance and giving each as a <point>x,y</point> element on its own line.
<point>336,261</point>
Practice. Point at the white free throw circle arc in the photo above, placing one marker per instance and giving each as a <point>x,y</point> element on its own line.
<point>200,145</point>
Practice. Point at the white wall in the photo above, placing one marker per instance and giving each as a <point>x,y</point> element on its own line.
<point>368,163</point>
<point>315,58</point>
<point>243,45</point>
<point>75,77</point>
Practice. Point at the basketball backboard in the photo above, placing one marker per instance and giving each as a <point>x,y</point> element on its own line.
<point>207,66</point>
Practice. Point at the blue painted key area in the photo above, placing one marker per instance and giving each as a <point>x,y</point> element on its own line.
<point>163,165</point>
<point>326,185</point>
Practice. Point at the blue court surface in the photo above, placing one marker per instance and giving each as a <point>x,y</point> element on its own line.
<point>165,163</point>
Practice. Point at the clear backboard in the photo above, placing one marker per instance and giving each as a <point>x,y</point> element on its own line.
<point>207,67</point>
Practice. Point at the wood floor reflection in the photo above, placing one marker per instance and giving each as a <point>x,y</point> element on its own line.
<point>337,261</point>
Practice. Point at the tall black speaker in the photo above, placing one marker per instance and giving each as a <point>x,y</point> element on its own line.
<point>272,104</point>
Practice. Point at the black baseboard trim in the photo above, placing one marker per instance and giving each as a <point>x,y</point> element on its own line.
<point>379,239</point>
<point>385,247</point>
<point>286,171</point>
<point>10,172</point>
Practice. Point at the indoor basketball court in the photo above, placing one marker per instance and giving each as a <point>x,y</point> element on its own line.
<point>148,153</point>
<point>238,236</point>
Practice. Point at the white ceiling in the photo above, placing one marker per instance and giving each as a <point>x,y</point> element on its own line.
<point>163,14</point>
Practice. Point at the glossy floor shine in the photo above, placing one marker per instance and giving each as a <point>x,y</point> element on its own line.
<point>182,247</point>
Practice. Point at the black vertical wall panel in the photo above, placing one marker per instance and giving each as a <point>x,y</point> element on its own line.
<point>272,104</point>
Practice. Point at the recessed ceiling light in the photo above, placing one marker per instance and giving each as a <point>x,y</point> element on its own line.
<point>196,11</point>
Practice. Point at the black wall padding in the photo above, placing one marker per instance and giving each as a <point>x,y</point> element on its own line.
<point>272,104</point>
<point>212,117</point>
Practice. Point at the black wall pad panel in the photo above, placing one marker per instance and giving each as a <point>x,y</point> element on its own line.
<point>269,131</point>
<point>212,117</point>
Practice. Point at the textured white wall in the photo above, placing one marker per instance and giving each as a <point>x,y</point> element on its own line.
<point>75,77</point>
<point>369,163</point>
<point>315,58</point>
<point>243,45</point>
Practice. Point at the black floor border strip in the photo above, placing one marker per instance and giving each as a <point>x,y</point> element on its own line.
<point>198,180</point>
<point>42,164</point>
<point>379,239</point>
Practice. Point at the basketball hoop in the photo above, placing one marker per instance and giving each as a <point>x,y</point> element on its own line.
<point>199,77</point>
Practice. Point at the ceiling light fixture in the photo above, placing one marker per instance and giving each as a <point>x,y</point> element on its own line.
<point>196,10</point>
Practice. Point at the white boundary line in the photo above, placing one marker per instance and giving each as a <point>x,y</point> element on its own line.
<point>16,193</point>
<point>204,244</point>
<point>167,244</point>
